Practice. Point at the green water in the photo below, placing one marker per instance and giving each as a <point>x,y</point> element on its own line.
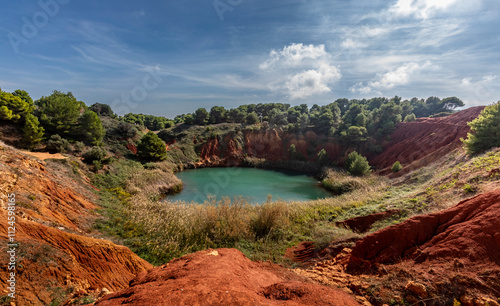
<point>252,184</point>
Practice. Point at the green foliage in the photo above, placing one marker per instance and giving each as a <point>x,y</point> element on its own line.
<point>357,164</point>
<point>13,107</point>
<point>200,117</point>
<point>217,115</point>
<point>32,131</point>
<point>59,113</point>
<point>102,109</point>
<point>57,144</point>
<point>252,118</point>
<point>151,148</point>
<point>396,167</point>
<point>292,151</point>
<point>485,130</point>
<point>78,146</point>
<point>91,127</point>
<point>153,123</point>
<point>323,158</point>
<point>94,154</point>
<point>355,135</point>
<point>411,117</point>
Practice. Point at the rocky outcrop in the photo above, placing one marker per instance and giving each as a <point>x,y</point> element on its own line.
<point>223,277</point>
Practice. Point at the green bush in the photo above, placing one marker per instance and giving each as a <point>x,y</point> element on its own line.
<point>485,130</point>
<point>151,148</point>
<point>357,164</point>
<point>32,131</point>
<point>57,144</point>
<point>396,167</point>
<point>410,118</point>
<point>95,154</point>
<point>78,146</point>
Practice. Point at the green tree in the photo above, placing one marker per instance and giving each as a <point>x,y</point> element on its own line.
<point>252,118</point>
<point>13,108</point>
<point>32,131</point>
<point>91,127</point>
<point>102,109</point>
<point>485,130</point>
<point>236,115</point>
<point>217,115</point>
<point>59,112</point>
<point>151,148</point>
<point>396,167</point>
<point>357,164</point>
<point>200,116</point>
<point>24,95</point>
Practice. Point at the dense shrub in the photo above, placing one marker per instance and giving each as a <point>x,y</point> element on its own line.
<point>32,131</point>
<point>151,148</point>
<point>57,144</point>
<point>91,127</point>
<point>485,130</point>
<point>95,154</point>
<point>396,167</point>
<point>357,164</point>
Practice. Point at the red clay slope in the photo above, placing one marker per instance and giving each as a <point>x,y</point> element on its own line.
<point>51,207</point>
<point>223,277</point>
<point>419,143</point>
<point>469,230</point>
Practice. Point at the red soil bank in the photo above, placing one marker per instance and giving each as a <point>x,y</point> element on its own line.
<point>51,207</point>
<point>223,277</point>
<point>419,143</point>
<point>469,231</point>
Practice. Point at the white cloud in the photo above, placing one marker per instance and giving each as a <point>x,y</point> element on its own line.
<point>301,71</point>
<point>312,82</point>
<point>397,77</point>
<point>479,91</point>
<point>423,9</point>
<point>294,55</point>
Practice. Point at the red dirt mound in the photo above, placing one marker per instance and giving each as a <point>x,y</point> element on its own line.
<point>470,230</point>
<point>223,277</point>
<point>416,144</point>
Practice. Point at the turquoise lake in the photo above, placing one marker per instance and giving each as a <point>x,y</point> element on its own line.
<point>252,184</point>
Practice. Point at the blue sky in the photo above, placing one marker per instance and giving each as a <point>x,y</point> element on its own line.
<point>171,57</point>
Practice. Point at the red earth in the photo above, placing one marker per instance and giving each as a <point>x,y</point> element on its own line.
<point>223,277</point>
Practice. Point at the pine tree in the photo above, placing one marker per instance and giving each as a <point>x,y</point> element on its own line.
<point>32,131</point>
<point>151,148</point>
<point>485,130</point>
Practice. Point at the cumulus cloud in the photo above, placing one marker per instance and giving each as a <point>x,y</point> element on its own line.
<point>397,77</point>
<point>301,70</point>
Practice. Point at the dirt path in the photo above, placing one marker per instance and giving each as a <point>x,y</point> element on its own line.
<point>45,155</point>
